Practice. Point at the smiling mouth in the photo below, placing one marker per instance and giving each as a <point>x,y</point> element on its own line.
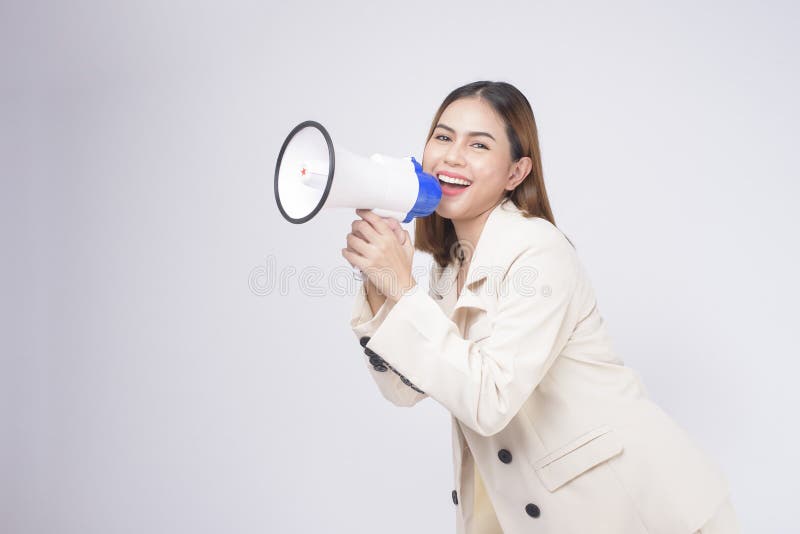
<point>451,183</point>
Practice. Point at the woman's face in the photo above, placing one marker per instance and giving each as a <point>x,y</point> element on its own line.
<point>470,145</point>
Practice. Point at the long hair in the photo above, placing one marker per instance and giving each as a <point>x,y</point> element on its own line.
<point>436,235</point>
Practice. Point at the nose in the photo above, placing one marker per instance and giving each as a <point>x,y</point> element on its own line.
<point>454,155</point>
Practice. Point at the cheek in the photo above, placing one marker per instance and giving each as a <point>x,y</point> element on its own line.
<point>430,157</point>
<point>490,174</point>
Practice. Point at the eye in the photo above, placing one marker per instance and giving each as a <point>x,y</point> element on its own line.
<point>442,137</point>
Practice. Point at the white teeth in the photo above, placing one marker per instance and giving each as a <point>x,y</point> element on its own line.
<point>451,180</point>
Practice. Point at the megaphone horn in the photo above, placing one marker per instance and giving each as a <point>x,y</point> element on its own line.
<point>307,164</point>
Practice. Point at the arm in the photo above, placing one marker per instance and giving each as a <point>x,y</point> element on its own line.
<point>364,323</point>
<point>374,297</point>
<point>485,385</point>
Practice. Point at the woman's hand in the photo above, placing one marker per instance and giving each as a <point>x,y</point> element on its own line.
<point>383,251</point>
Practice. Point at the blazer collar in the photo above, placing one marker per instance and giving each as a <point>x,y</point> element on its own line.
<point>492,255</point>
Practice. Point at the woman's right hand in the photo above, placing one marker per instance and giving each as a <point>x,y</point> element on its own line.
<point>402,237</point>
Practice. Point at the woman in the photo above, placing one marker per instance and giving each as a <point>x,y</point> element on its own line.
<point>552,433</point>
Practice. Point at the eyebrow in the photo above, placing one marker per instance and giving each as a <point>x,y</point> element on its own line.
<point>487,134</point>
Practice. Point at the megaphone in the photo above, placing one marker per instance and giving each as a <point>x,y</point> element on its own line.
<point>311,174</point>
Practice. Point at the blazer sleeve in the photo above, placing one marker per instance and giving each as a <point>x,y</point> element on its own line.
<point>485,384</point>
<point>395,387</point>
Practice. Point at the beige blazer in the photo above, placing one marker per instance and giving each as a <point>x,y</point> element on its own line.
<point>552,433</point>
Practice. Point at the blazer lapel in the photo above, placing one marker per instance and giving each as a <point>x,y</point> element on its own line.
<point>490,258</point>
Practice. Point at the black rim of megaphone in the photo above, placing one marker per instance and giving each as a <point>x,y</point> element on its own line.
<point>331,159</point>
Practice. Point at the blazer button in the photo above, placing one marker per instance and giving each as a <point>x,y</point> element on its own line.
<point>370,352</point>
<point>455,497</point>
<point>504,456</point>
<point>376,360</point>
<point>380,368</point>
<point>532,510</point>
<point>364,340</point>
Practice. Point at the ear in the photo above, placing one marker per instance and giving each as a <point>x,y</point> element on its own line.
<point>521,168</point>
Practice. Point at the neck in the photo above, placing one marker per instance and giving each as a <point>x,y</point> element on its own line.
<point>469,231</point>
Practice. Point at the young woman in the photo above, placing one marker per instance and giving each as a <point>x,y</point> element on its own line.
<point>552,433</point>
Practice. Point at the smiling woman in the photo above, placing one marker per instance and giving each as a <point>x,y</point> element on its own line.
<point>551,431</point>
<point>453,183</point>
<point>484,134</point>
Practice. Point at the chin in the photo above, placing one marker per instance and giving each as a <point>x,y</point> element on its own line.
<point>451,212</point>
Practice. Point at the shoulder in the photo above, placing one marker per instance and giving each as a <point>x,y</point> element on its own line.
<point>527,236</point>
<point>539,231</point>
<point>541,256</point>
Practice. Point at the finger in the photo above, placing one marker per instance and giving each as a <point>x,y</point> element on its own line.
<point>408,246</point>
<point>375,220</point>
<point>365,229</point>
<point>394,225</point>
<point>354,259</point>
<point>356,244</point>
<point>401,236</point>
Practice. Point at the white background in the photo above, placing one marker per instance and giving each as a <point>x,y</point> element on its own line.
<point>147,387</point>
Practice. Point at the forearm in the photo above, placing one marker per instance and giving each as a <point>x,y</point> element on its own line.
<point>374,297</point>
<point>364,321</point>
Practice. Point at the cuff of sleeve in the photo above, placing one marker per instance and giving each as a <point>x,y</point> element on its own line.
<point>404,338</point>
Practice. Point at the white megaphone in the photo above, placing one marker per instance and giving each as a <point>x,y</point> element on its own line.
<point>390,187</point>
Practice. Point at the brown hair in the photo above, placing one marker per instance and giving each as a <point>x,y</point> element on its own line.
<point>435,234</point>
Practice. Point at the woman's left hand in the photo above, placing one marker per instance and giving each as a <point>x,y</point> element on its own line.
<point>385,260</point>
